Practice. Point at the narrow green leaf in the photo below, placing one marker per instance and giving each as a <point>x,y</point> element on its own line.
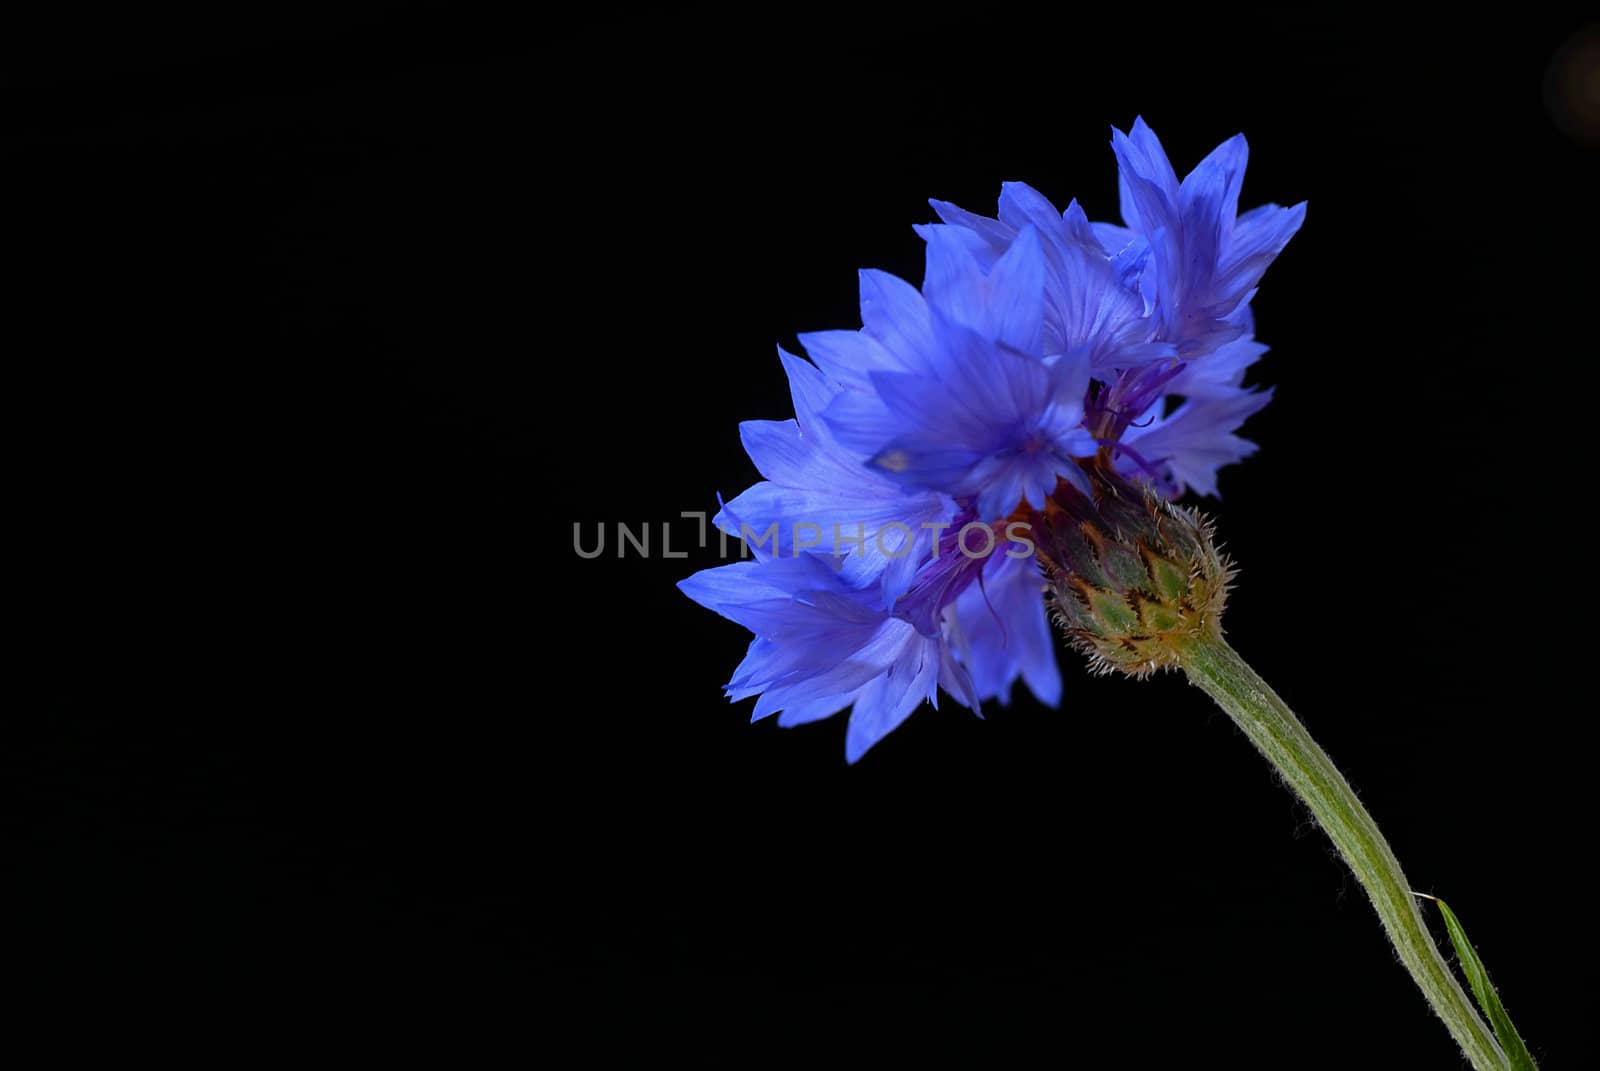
<point>1483,989</point>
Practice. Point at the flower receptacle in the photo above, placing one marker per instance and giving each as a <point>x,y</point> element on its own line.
<point>1133,579</point>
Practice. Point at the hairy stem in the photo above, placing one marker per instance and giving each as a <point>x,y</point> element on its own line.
<point>1218,670</point>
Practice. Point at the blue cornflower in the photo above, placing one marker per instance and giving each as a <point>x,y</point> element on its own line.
<point>1046,368</point>
<point>1038,341</point>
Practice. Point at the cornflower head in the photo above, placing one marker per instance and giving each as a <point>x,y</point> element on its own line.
<point>1016,432</point>
<point>910,517</point>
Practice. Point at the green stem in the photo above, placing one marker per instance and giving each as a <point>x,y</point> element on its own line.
<point>1218,670</point>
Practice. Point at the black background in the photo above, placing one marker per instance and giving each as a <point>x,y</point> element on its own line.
<point>326,333</point>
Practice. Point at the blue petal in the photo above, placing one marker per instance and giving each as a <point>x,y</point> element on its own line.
<point>861,422</point>
<point>1002,631</point>
<point>1091,307</point>
<point>815,710</point>
<point>1221,372</point>
<point>1147,185</point>
<point>809,389</point>
<point>1013,480</point>
<point>1023,206</point>
<point>848,357</point>
<point>1115,239</point>
<point>1258,237</point>
<point>822,645</point>
<point>1003,303</point>
<point>977,246</point>
<point>1014,295</point>
<point>1197,438</point>
<point>726,587</point>
<point>894,313</point>
<point>1209,198</point>
<point>995,234</point>
<point>776,446</point>
<point>953,280</point>
<point>859,523</point>
<point>890,699</point>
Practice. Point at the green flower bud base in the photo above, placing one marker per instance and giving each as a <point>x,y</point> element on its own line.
<point>1132,577</point>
